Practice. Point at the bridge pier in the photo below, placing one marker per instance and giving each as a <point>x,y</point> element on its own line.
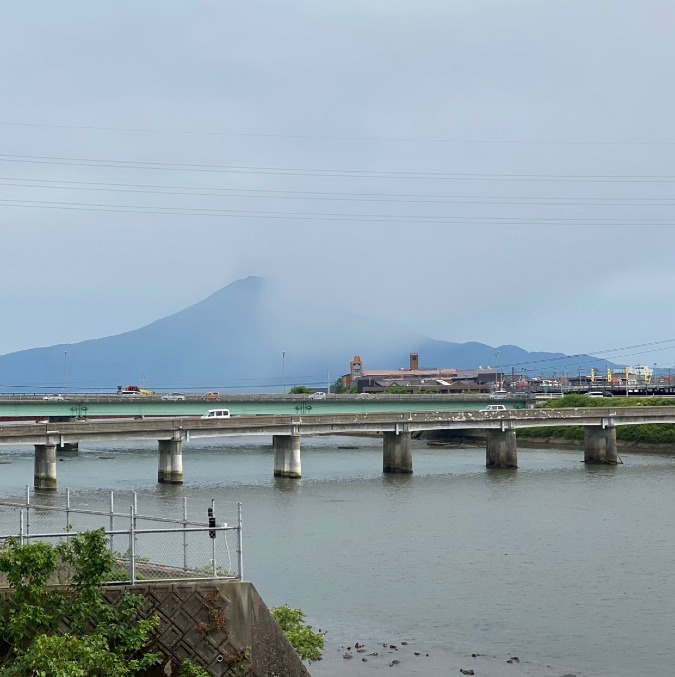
<point>287,456</point>
<point>44,473</point>
<point>397,453</point>
<point>170,468</point>
<point>600,445</point>
<point>500,449</point>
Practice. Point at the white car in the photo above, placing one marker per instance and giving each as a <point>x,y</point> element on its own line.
<point>173,397</point>
<point>499,395</point>
<point>216,413</point>
<point>495,407</point>
<point>319,395</point>
<point>53,398</point>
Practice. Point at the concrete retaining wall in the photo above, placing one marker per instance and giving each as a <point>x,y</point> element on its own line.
<point>223,626</point>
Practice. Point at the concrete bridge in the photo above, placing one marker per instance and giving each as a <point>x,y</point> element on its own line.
<point>88,405</point>
<point>397,429</point>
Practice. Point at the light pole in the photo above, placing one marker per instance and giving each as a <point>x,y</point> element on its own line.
<point>283,372</point>
<point>65,372</point>
<point>496,370</point>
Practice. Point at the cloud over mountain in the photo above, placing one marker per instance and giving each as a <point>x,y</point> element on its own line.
<point>250,336</point>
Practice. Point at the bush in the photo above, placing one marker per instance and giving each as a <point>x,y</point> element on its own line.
<point>301,390</point>
<point>655,433</point>
<point>102,640</point>
<point>307,643</point>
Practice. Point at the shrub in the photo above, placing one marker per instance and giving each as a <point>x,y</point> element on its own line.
<point>102,640</point>
<point>307,643</point>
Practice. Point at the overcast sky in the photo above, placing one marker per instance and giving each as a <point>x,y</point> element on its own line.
<point>488,171</point>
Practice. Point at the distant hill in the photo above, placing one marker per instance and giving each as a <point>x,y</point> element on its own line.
<point>247,337</point>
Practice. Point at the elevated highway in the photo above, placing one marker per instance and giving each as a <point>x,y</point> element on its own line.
<point>17,407</point>
<point>397,428</point>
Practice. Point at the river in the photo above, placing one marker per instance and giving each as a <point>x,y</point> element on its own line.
<point>565,567</point>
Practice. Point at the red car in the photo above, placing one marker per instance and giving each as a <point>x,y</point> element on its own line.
<point>211,396</point>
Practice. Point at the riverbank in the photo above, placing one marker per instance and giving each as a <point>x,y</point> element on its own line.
<point>526,441</point>
<point>621,445</point>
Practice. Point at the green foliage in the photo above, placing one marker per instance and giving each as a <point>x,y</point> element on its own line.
<point>562,432</point>
<point>396,390</point>
<point>577,400</point>
<point>102,640</point>
<point>652,433</point>
<point>661,433</point>
<point>339,387</point>
<point>189,669</point>
<point>301,390</point>
<point>308,643</point>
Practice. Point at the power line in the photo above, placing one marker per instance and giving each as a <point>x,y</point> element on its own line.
<point>413,198</point>
<point>319,216</point>
<point>333,173</point>
<point>592,357</point>
<point>334,137</point>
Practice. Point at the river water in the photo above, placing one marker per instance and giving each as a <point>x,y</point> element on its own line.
<point>566,567</point>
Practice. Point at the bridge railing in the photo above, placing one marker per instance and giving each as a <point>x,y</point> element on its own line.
<point>145,547</point>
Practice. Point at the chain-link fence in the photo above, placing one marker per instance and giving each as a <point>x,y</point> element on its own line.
<point>145,547</point>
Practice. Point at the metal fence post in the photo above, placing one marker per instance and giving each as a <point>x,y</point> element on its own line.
<point>68,524</point>
<point>112,521</point>
<point>213,542</point>
<point>21,527</point>
<point>132,546</point>
<point>27,510</point>
<point>240,548</point>
<point>185,543</point>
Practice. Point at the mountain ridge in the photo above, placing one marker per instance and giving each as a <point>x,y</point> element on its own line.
<point>247,335</point>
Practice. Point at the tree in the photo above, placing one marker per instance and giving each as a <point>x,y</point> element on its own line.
<point>307,643</point>
<point>301,390</point>
<point>69,631</point>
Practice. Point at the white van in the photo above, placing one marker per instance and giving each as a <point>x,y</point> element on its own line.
<point>318,395</point>
<point>494,407</point>
<point>217,413</point>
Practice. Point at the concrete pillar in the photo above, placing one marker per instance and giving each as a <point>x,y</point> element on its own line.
<point>170,468</point>
<point>396,453</point>
<point>287,455</point>
<point>500,449</point>
<point>600,445</point>
<point>44,473</point>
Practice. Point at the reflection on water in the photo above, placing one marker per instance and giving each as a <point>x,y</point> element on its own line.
<point>562,564</point>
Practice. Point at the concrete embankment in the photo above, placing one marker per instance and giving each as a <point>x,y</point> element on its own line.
<point>223,626</point>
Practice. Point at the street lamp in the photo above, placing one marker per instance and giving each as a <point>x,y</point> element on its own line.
<point>283,372</point>
<point>65,372</point>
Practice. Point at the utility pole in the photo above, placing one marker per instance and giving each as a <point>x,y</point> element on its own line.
<point>283,372</point>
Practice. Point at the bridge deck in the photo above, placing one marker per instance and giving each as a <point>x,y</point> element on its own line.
<point>186,427</point>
